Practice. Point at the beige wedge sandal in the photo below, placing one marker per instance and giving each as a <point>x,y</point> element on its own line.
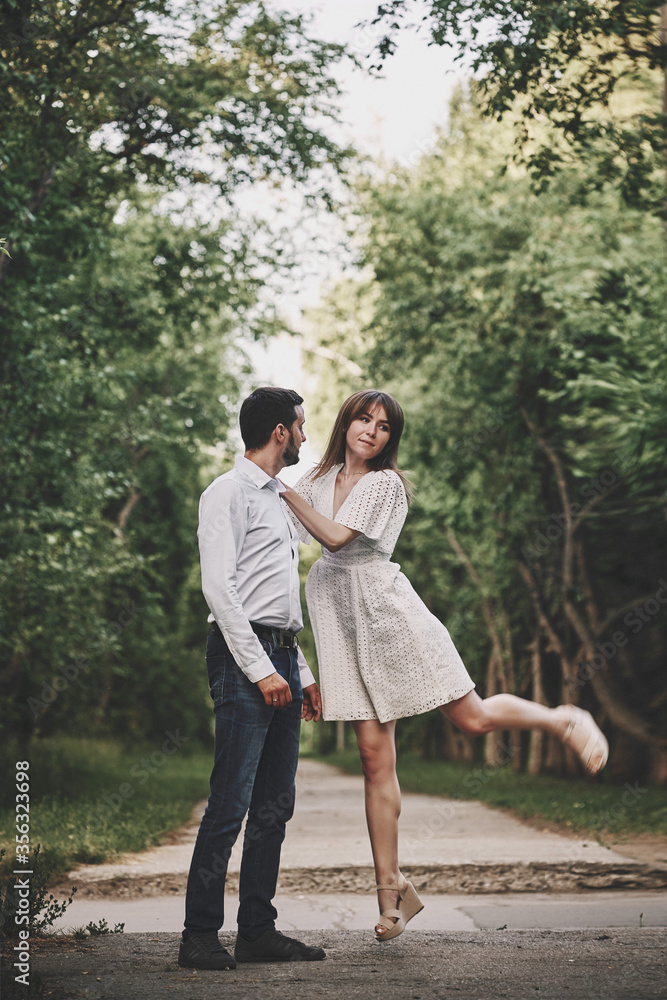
<point>595,753</point>
<point>394,920</point>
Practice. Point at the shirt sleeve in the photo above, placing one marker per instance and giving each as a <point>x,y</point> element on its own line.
<point>223,522</point>
<point>377,508</point>
<point>305,490</point>
<point>304,670</point>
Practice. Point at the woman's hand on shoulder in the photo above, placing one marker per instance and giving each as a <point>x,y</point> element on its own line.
<point>294,499</point>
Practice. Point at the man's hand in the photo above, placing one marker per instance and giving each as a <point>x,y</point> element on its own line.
<point>312,703</point>
<point>276,691</point>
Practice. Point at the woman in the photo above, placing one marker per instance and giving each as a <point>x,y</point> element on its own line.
<point>382,655</point>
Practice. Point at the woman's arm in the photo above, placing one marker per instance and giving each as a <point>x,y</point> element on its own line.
<point>328,533</point>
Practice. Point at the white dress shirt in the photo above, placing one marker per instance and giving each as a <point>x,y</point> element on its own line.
<point>249,553</point>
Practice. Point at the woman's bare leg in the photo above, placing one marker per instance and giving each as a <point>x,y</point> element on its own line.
<point>382,794</point>
<point>477,716</point>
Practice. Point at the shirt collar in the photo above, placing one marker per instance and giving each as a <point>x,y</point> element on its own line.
<point>257,475</point>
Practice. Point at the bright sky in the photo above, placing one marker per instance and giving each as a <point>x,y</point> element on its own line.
<point>397,113</point>
<point>393,118</point>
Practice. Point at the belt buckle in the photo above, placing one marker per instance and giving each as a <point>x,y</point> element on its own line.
<point>280,636</point>
<point>286,639</point>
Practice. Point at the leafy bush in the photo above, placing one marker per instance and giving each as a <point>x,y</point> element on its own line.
<point>93,929</point>
<point>43,908</point>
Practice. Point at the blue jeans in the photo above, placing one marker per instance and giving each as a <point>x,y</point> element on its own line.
<point>256,755</point>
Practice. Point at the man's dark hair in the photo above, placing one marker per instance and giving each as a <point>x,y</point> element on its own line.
<point>263,410</point>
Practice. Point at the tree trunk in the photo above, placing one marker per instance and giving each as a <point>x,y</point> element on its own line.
<point>658,773</point>
<point>510,686</point>
<point>340,735</point>
<point>536,736</point>
<point>492,741</point>
<point>458,746</point>
<point>496,680</point>
<point>584,623</point>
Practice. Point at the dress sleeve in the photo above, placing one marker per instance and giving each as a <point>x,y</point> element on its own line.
<point>377,508</point>
<point>305,490</point>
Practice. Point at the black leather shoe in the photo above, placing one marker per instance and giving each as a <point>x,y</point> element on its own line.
<point>204,951</point>
<point>273,946</point>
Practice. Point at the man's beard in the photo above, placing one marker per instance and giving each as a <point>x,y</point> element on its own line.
<point>291,452</point>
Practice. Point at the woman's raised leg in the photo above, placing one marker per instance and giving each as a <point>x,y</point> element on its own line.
<point>382,794</point>
<point>476,716</point>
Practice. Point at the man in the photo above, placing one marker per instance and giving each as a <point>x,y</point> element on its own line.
<point>260,684</point>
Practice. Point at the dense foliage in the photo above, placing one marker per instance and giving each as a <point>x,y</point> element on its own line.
<point>122,316</point>
<point>565,67</point>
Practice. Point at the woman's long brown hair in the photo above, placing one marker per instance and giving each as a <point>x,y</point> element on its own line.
<point>362,402</point>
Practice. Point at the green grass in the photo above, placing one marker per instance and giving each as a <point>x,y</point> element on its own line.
<point>592,808</point>
<point>92,800</point>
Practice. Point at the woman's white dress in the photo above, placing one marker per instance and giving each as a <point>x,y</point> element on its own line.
<point>381,653</point>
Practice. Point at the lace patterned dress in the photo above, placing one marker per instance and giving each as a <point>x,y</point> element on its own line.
<point>381,653</point>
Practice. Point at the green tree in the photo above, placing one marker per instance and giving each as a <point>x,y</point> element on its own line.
<point>569,64</point>
<point>100,94</point>
<point>116,393</point>
<point>122,322</point>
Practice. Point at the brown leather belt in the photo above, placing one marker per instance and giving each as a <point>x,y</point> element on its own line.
<point>276,636</point>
